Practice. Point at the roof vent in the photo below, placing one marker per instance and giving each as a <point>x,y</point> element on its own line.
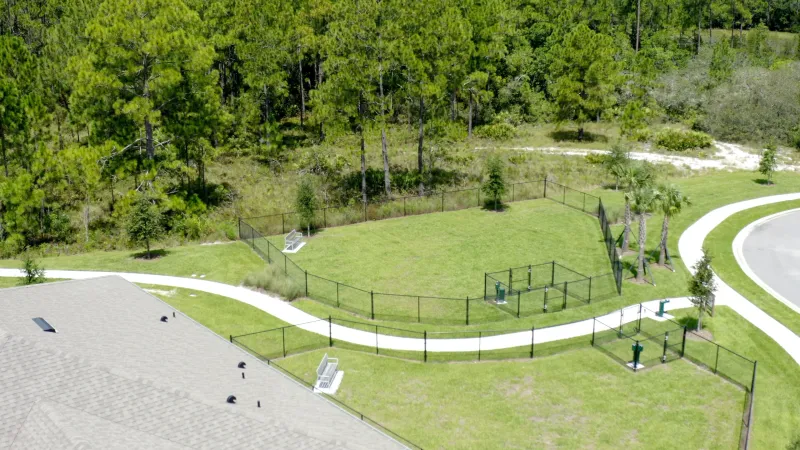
<point>164,318</point>
<point>44,325</point>
<point>231,399</point>
<point>242,364</point>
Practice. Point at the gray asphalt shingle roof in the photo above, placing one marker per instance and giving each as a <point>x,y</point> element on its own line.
<point>114,375</point>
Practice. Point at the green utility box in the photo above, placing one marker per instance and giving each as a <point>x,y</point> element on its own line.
<point>637,352</point>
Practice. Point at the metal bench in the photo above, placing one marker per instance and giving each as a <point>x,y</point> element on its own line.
<point>326,371</point>
<point>293,239</point>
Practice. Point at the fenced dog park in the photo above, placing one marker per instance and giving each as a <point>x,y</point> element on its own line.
<point>433,268</point>
<point>661,341</point>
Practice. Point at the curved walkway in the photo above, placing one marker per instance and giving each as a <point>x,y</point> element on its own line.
<point>789,224</point>
<point>690,246</point>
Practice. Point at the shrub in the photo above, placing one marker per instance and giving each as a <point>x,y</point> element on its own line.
<point>273,279</point>
<point>596,158</point>
<point>34,274</point>
<point>680,141</point>
<point>499,131</point>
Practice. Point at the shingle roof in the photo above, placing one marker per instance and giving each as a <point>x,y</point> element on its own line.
<point>114,366</point>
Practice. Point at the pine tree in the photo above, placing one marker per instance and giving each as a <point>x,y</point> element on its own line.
<point>495,185</point>
<point>145,222</point>
<point>768,162</point>
<point>702,287</point>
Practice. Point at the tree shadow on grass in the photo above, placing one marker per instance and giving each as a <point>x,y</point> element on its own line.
<point>572,136</point>
<point>763,182</point>
<point>489,205</point>
<point>154,254</point>
<point>688,322</point>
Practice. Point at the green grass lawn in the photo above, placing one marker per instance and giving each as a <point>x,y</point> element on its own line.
<point>579,399</point>
<point>227,263</point>
<point>447,254</point>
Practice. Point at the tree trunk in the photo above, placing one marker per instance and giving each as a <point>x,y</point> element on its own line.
<point>387,179</point>
<point>638,22</point>
<point>699,27</point>
<point>627,231</point>
<point>581,133</point>
<point>222,81</point>
<point>662,255</point>
<point>420,162</point>
<point>642,239</point>
<point>710,23</point>
<point>302,89</point>
<point>147,243</point>
<point>266,116</point>
<point>700,319</point>
<point>363,149</point>
<point>453,106</point>
<point>86,218</point>
<point>148,131</point>
<point>469,127</point>
<point>3,147</point>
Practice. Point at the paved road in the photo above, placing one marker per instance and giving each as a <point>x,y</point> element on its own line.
<point>772,252</point>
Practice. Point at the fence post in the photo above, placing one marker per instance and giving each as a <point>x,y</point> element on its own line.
<point>484,285</point>
<point>324,217</point>
<point>283,340</point>
<point>269,258</point>
<point>750,413</point>
<point>372,304</point>
<point>564,195</point>
<point>337,294</point>
<point>478,192</point>
<point>510,281</point>
<point>544,309</point>
<point>545,187</point>
<point>532,330</point>
<point>418,320</point>
<point>468,310</point>
<point>425,343</point>
<point>519,300</point>
<point>285,268</point>
<point>442,201</point>
<point>376,339</point>
<point>664,353</point>
<point>566,286</point>
<point>683,344</point>
<point>240,227</point>
<point>639,324</point>
<point>306,272</point>
<point>283,223</point>
<point>590,289</point>
<point>365,211</point>
<point>513,194</point>
<point>330,332</point>
<point>529,277</point>
<point>621,314</point>
<point>636,361</point>
<point>404,206</point>
<point>231,338</point>
<point>553,273</point>
<point>716,362</point>
<point>584,202</point>
<point>594,321</point>
<point>480,336</point>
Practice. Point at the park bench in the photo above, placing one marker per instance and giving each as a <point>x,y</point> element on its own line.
<point>293,240</point>
<point>326,371</point>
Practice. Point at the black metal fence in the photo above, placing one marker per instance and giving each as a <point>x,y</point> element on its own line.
<point>611,246</point>
<point>356,212</point>
<point>543,288</point>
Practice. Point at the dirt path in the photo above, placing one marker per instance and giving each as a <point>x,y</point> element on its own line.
<point>726,156</point>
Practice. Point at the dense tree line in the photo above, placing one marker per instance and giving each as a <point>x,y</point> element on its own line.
<point>129,100</point>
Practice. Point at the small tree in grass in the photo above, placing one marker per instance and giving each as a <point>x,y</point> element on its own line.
<point>702,287</point>
<point>768,162</point>
<point>617,162</point>
<point>306,203</point>
<point>34,273</point>
<point>643,202</point>
<point>144,222</point>
<point>495,185</point>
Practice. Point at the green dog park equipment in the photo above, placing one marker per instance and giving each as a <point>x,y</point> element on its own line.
<point>500,293</point>
<point>637,351</point>
<point>661,305</point>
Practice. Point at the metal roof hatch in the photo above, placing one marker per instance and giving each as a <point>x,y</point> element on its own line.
<point>44,325</point>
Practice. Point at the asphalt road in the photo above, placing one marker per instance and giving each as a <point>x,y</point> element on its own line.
<point>772,251</point>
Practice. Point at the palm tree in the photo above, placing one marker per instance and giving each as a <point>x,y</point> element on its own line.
<point>633,178</point>
<point>671,201</point>
<point>643,201</point>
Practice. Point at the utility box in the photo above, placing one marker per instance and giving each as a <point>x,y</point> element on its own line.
<point>501,293</point>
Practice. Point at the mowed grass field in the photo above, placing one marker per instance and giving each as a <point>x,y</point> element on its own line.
<point>446,254</point>
<point>578,399</point>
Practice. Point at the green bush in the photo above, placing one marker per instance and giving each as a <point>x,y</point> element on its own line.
<point>499,131</point>
<point>596,158</point>
<point>680,141</point>
<point>273,279</point>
